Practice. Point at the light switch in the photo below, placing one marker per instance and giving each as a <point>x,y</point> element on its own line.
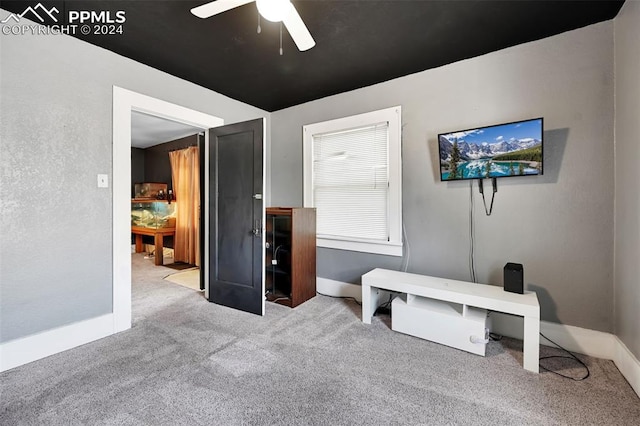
<point>103,181</point>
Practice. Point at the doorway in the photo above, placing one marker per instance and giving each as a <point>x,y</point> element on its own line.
<point>124,103</point>
<point>166,199</point>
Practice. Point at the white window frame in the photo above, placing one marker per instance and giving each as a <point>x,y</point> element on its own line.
<point>393,116</point>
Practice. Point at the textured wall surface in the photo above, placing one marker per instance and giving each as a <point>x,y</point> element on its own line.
<point>56,136</point>
<point>627,236</point>
<point>560,225</point>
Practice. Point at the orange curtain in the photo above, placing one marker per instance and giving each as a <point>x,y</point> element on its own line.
<point>185,170</point>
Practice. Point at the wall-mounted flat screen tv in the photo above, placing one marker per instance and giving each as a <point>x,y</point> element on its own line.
<point>502,150</point>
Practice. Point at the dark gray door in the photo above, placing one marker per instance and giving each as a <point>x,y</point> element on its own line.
<point>235,216</point>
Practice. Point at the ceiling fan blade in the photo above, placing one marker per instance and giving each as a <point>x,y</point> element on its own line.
<point>298,30</point>
<point>213,8</point>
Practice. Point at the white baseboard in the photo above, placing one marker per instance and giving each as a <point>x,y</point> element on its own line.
<point>628,364</point>
<point>575,339</point>
<point>37,346</point>
<point>342,289</point>
<point>338,288</point>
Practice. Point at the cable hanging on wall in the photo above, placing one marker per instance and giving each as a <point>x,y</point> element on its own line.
<point>472,264</point>
<point>407,253</point>
<point>495,189</point>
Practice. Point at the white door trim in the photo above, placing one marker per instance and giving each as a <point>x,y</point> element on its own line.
<point>125,101</point>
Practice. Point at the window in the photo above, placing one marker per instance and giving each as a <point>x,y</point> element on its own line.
<point>353,177</point>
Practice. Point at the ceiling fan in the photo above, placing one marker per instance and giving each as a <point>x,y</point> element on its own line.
<point>271,10</point>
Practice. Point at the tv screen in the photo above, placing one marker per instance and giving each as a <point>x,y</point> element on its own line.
<point>502,150</point>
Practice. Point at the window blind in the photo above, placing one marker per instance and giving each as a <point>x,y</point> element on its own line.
<point>351,183</point>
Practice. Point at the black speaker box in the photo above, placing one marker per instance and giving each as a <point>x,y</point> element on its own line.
<point>514,278</point>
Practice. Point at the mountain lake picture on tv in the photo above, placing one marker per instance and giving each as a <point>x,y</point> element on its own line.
<point>511,149</point>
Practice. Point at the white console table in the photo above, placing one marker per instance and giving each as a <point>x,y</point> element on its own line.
<point>483,296</point>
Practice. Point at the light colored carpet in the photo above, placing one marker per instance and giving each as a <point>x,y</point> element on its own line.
<point>189,278</point>
<point>186,361</point>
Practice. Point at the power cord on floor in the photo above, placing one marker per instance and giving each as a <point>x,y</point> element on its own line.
<point>572,356</point>
<point>385,305</point>
<point>341,297</point>
<point>497,337</point>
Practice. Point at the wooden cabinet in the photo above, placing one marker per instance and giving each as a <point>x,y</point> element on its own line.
<point>290,274</point>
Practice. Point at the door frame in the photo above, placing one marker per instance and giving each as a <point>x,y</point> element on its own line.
<point>124,102</point>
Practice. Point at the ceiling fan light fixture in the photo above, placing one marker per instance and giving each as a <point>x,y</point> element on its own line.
<point>274,10</point>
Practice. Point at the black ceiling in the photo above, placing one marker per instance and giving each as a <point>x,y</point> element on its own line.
<point>358,42</point>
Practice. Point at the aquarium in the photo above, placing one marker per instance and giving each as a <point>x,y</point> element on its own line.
<point>153,214</point>
<point>152,191</point>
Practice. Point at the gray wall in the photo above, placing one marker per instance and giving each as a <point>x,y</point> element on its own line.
<point>56,136</point>
<point>560,225</point>
<point>627,236</point>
